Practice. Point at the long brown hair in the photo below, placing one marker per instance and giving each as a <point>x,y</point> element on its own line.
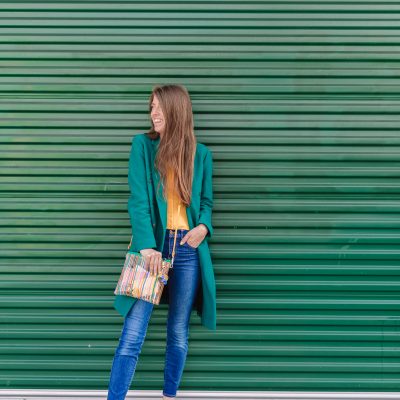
<point>177,147</point>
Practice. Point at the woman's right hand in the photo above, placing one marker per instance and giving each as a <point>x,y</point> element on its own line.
<point>153,260</point>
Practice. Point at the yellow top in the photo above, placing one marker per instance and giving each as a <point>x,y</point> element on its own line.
<point>175,220</point>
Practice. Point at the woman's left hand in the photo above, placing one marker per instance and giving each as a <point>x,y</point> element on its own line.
<point>195,236</point>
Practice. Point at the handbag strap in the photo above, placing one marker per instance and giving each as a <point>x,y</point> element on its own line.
<point>173,249</point>
<point>176,230</point>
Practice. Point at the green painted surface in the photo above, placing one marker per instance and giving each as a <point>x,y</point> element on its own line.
<point>299,103</point>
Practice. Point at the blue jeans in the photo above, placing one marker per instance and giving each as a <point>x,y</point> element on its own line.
<point>183,282</point>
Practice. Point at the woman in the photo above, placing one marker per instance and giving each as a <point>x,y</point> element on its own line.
<point>174,222</point>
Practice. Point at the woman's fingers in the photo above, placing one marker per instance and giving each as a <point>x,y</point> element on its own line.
<point>159,264</point>
<point>195,236</point>
<point>152,263</point>
<point>155,263</point>
<point>153,260</point>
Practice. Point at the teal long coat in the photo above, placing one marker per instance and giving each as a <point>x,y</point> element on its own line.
<point>148,214</point>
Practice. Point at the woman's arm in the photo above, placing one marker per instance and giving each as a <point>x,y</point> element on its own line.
<point>206,200</point>
<point>138,202</point>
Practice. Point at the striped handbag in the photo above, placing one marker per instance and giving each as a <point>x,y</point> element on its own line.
<point>137,281</point>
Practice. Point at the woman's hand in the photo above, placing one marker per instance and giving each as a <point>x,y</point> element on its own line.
<point>153,260</point>
<point>195,236</point>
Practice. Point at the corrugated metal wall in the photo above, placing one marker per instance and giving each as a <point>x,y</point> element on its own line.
<point>299,103</point>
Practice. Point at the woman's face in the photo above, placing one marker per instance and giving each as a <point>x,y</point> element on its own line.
<point>157,116</point>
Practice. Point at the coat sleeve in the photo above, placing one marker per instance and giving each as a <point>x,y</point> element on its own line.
<point>138,202</point>
<point>206,200</point>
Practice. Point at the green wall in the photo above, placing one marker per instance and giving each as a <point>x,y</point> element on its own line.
<point>299,103</point>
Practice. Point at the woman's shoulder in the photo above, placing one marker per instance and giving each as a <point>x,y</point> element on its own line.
<point>202,149</point>
<point>142,140</point>
<point>140,137</point>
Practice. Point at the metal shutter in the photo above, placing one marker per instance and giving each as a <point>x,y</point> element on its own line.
<point>298,102</point>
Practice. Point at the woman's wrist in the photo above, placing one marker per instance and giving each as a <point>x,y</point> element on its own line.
<point>204,227</point>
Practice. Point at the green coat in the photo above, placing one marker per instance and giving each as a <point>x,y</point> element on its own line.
<point>148,215</point>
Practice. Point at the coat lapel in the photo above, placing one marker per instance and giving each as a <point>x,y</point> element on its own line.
<point>161,203</point>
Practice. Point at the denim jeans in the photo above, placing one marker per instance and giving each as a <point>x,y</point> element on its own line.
<point>183,282</point>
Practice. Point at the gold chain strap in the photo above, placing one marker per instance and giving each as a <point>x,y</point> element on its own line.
<point>176,230</point>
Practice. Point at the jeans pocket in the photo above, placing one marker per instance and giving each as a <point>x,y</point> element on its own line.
<point>190,247</point>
